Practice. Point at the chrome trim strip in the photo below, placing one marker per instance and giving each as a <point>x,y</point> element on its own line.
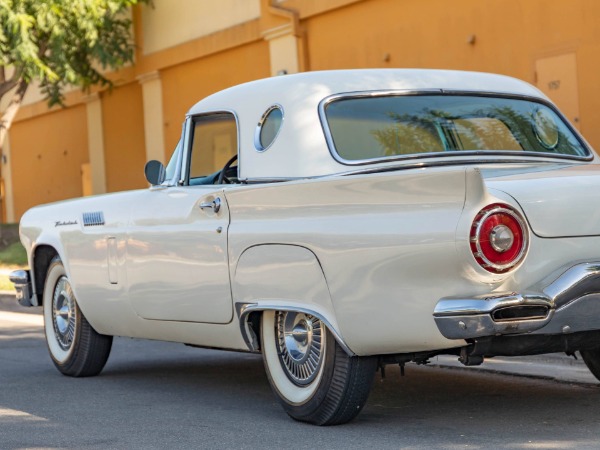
<point>447,163</point>
<point>399,165</point>
<point>575,289</point>
<point>257,144</point>
<point>360,94</point>
<point>244,309</point>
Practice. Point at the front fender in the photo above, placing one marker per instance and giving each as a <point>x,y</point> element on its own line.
<point>40,243</point>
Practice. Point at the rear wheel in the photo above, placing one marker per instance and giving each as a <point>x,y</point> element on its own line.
<point>75,347</point>
<point>592,360</point>
<point>313,377</point>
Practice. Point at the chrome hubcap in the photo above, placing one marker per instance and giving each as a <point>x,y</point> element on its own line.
<point>300,345</point>
<point>63,313</point>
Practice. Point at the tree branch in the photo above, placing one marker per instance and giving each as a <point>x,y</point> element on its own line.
<point>11,110</point>
<point>7,86</point>
<point>10,84</point>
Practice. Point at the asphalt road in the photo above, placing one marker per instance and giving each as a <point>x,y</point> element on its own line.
<point>163,395</point>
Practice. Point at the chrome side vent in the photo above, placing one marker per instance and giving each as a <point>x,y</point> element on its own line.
<point>93,219</point>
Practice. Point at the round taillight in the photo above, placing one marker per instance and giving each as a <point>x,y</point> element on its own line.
<point>498,238</point>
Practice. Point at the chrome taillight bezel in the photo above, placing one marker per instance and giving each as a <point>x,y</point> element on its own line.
<point>476,228</point>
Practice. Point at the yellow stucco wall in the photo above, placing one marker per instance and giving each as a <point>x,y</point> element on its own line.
<point>186,84</point>
<point>196,48</point>
<point>124,150</point>
<point>501,36</point>
<point>167,24</point>
<point>47,155</point>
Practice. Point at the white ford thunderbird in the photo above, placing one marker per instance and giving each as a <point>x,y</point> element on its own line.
<point>337,222</point>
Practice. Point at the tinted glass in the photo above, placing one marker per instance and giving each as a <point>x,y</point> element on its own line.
<point>377,127</point>
<point>270,128</point>
<point>214,142</point>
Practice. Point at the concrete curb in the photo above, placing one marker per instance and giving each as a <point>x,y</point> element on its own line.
<point>556,367</point>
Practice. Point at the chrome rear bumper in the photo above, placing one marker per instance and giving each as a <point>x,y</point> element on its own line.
<point>22,282</point>
<point>570,303</point>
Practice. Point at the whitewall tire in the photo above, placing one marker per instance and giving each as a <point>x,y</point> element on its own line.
<point>313,377</point>
<point>75,347</point>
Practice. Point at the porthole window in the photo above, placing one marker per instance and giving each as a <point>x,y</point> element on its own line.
<point>268,128</point>
<point>545,128</point>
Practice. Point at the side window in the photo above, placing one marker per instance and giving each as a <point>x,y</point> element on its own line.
<point>268,128</point>
<point>214,141</point>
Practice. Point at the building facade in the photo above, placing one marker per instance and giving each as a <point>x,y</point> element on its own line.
<point>188,49</point>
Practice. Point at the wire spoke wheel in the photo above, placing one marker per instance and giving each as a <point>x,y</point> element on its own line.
<point>300,345</point>
<point>76,349</point>
<point>64,318</point>
<point>315,380</point>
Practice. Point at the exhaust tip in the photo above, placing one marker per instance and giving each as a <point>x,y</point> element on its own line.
<point>522,312</point>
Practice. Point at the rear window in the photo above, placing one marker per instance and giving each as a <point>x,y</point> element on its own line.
<point>375,127</point>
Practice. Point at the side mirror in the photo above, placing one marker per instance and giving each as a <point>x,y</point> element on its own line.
<point>155,172</point>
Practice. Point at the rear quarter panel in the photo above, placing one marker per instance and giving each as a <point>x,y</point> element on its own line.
<point>386,244</point>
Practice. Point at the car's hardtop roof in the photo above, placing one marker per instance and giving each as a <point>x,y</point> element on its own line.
<point>321,84</point>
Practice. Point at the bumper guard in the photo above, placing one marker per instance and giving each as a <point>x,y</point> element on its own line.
<point>22,281</point>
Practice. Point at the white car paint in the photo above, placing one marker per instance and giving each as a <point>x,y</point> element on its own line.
<point>371,253</point>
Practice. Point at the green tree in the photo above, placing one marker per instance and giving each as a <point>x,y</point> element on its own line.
<point>59,43</point>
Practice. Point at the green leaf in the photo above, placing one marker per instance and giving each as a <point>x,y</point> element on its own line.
<point>65,42</point>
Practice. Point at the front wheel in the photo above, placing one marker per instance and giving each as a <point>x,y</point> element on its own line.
<point>313,377</point>
<point>76,349</point>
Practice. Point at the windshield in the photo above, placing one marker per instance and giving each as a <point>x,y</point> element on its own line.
<point>375,127</point>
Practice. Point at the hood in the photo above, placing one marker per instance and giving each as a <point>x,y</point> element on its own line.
<point>559,201</point>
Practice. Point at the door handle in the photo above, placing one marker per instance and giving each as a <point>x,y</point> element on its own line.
<point>215,205</point>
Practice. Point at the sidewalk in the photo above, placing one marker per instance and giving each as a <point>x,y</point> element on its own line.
<point>554,366</point>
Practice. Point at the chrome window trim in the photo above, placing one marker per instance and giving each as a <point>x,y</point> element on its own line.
<point>185,179</point>
<point>182,161</point>
<point>401,92</point>
<point>175,179</point>
<point>257,144</point>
